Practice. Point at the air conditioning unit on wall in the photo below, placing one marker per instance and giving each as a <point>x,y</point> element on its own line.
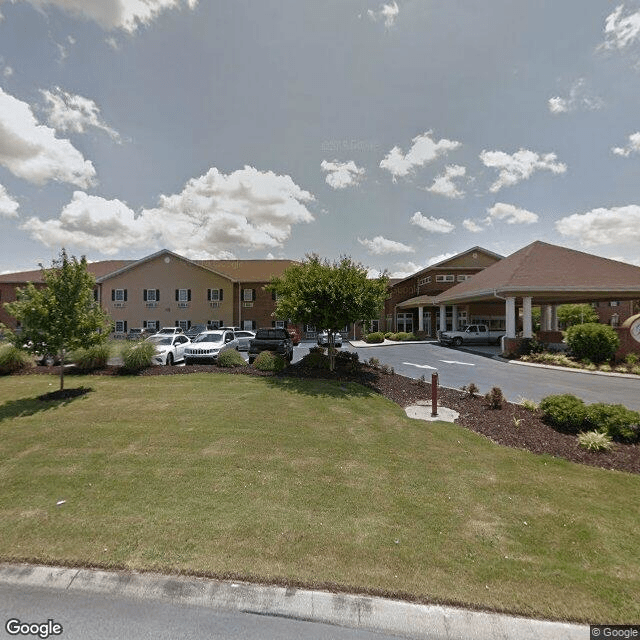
<point>214,305</point>
<point>118,304</point>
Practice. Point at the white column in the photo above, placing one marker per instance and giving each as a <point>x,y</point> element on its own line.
<point>454,317</point>
<point>544,317</point>
<point>443,318</point>
<point>511,317</point>
<point>527,325</point>
<point>553,320</point>
<point>420,319</point>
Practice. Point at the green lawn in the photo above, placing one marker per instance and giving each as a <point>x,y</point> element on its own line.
<point>313,483</point>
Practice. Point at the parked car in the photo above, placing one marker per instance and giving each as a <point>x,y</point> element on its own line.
<point>276,340</point>
<point>169,331</point>
<point>195,330</point>
<point>472,334</point>
<point>137,333</point>
<point>209,345</point>
<point>169,349</point>
<point>323,339</point>
<point>244,338</point>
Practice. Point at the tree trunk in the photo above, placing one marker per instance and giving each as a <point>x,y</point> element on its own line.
<point>331,342</point>
<point>61,369</point>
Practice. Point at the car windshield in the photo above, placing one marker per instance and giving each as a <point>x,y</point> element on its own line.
<point>215,336</point>
<point>160,339</point>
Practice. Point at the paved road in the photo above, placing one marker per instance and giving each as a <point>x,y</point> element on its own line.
<point>85,616</point>
<point>457,368</point>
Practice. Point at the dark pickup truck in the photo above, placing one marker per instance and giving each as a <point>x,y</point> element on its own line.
<point>276,340</point>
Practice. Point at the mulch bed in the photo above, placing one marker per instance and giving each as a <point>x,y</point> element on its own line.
<point>512,426</point>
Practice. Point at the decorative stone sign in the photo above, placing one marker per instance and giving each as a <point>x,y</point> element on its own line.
<point>629,334</point>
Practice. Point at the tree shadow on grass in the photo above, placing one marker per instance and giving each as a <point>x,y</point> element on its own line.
<point>46,402</point>
<point>321,387</point>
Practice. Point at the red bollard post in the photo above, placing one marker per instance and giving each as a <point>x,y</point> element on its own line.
<point>434,394</point>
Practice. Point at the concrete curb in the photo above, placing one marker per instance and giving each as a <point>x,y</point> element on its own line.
<point>345,610</point>
<point>540,365</point>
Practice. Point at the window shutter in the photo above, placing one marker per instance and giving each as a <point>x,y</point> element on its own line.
<point>273,323</point>
<point>125,324</point>
<point>188,295</point>
<point>157,295</point>
<point>144,324</point>
<point>209,295</point>
<point>125,295</point>
<point>220,295</point>
<point>253,325</point>
<point>253,295</point>
<point>144,295</point>
<point>177,294</point>
<point>113,294</point>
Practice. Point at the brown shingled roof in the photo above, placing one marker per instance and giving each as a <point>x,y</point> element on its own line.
<point>248,270</point>
<point>549,273</point>
<point>98,269</point>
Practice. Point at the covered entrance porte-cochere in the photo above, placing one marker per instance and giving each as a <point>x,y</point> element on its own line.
<point>544,275</point>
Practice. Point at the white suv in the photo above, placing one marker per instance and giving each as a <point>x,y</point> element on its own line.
<point>209,345</point>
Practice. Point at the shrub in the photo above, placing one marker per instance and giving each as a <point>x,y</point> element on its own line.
<point>388,334</point>
<point>230,358</point>
<point>632,359</point>
<point>374,363</point>
<point>12,359</point>
<point>269,361</point>
<point>597,342</point>
<point>494,398</point>
<point>93,358</point>
<point>348,361</point>
<point>471,389</point>
<point>315,360</point>
<point>615,420</point>
<point>138,356</point>
<point>374,338</point>
<point>529,405</point>
<point>594,441</point>
<point>566,412</point>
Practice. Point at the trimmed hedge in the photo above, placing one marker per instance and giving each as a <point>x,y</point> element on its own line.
<point>269,361</point>
<point>230,358</point>
<point>592,341</point>
<point>615,420</point>
<point>566,412</point>
<point>374,338</point>
<point>92,358</point>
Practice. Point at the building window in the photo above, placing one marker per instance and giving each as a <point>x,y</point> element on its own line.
<point>614,303</point>
<point>214,295</point>
<point>183,295</point>
<point>462,278</point>
<point>183,324</point>
<point>425,280</point>
<point>151,325</point>
<point>280,324</point>
<point>119,295</point>
<point>248,325</point>
<point>121,326</point>
<point>615,320</point>
<point>445,278</point>
<point>214,324</point>
<point>248,295</point>
<point>375,326</point>
<point>151,295</point>
<point>404,322</point>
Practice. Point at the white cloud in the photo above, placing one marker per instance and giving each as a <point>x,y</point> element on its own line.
<point>388,12</point>
<point>422,151</point>
<point>434,225</point>
<point>444,183</point>
<point>31,151</point>
<point>632,147</point>
<point>579,98</point>
<point>382,246</point>
<point>8,206</point>
<point>472,226</point>
<point>94,223</point>
<point>620,31</point>
<point>510,214</point>
<point>618,225</point>
<point>213,214</point>
<point>68,112</point>
<point>342,174</point>
<point>405,269</point>
<point>127,15</point>
<point>519,166</point>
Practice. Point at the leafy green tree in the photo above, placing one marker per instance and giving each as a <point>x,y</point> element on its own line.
<point>62,315</point>
<point>328,295</point>
<point>570,314</point>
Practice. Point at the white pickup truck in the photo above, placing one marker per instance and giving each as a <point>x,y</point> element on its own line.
<point>471,334</point>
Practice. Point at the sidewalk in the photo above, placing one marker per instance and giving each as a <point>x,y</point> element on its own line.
<point>433,622</point>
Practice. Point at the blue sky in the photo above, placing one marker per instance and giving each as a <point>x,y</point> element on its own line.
<point>398,133</point>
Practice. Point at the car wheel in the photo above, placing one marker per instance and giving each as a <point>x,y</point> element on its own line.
<point>187,361</point>
<point>251,360</point>
<point>169,359</point>
<point>457,341</point>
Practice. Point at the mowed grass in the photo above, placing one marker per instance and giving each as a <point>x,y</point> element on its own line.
<point>309,482</point>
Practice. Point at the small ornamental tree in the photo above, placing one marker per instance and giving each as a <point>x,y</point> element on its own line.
<point>328,295</point>
<point>62,315</point>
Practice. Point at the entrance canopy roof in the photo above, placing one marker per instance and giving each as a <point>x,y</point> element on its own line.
<point>549,274</point>
<point>418,301</point>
